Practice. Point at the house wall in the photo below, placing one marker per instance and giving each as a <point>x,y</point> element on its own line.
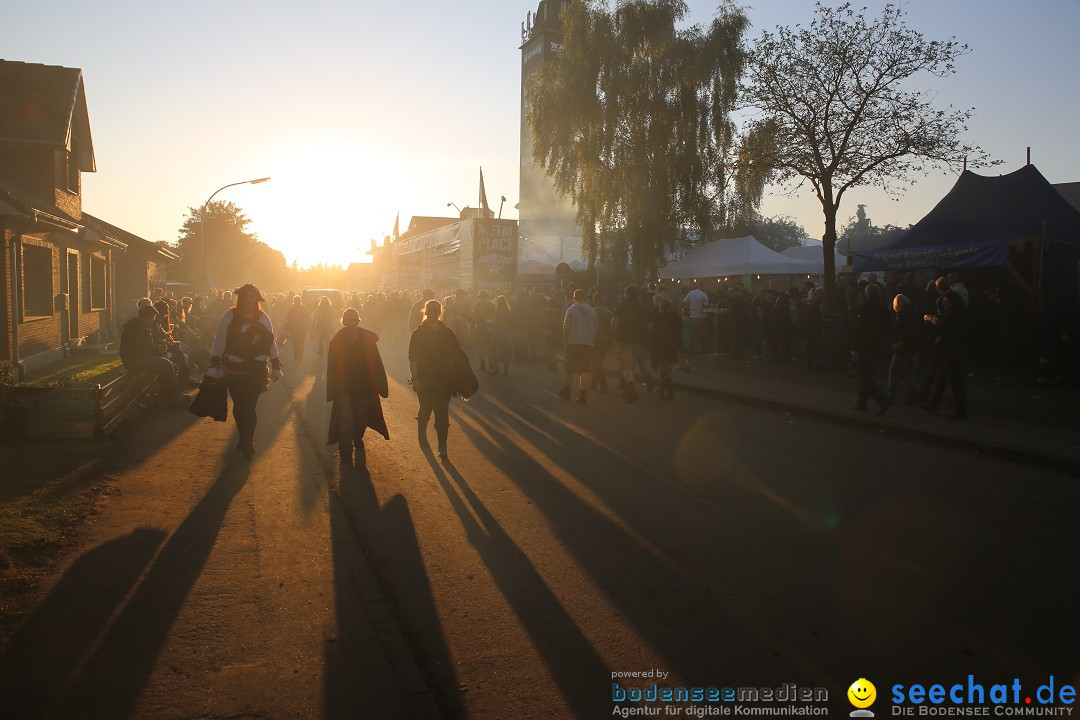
<point>5,294</point>
<point>67,200</point>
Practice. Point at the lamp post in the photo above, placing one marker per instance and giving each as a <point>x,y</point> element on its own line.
<point>455,206</point>
<point>202,224</point>
<point>502,201</point>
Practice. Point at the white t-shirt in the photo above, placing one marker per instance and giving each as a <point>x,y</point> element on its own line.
<point>696,300</point>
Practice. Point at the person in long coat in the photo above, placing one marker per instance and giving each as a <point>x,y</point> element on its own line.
<point>665,341</point>
<point>355,379</point>
<point>297,324</point>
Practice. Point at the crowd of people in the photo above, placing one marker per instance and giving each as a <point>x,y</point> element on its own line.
<point>922,335</point>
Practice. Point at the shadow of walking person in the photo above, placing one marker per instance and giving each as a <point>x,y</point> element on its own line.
<point>53,642</point>
<point>406,583</point>
<point>114,676</point>
<point>568,654</point>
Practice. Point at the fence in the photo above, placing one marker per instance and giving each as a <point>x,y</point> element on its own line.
<point>63,412</point>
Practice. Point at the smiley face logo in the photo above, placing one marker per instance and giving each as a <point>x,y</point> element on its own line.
<point>862,693</point>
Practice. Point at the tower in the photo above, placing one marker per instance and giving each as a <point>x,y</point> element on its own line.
<point>545,218</point>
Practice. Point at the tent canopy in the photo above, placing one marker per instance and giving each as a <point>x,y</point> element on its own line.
<point>814,254</point>
<point>735,256</point>
<point>974,223</point>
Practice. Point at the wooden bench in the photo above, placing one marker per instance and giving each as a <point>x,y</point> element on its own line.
<point>118,400</point>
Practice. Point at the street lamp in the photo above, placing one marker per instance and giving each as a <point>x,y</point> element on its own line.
<point>202,223</point>
<point>502,201</point>
<point>455,206</point>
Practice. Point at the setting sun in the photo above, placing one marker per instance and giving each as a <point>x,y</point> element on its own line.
<point>327,200</point>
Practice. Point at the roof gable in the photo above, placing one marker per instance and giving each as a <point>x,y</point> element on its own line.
<point>128,238</point>
<point>47,106</point>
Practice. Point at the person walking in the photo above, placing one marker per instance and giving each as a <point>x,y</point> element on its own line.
<point>454,319</point>
<point>416,312</point>
<point>666,340</point>
<point>906,339</point>
<point>953,341</point>
<point>324,324</point>
<point>696,301</point>
<point>629,328</point>
<point>242,345</point>
<point>603,344</point>
<point>432,349</point>
<point>579,335</point>
<point>871,326</point>
<point>355,379</point>
<point>503,336</point>
<point>297,325</point>
<point>483,322</point>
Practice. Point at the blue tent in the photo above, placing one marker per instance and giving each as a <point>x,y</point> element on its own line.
<point>978,221</point>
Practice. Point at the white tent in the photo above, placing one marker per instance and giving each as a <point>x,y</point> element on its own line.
<point>813,253</point>
<point>735,256</point>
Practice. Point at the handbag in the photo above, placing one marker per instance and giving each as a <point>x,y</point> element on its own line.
<point>210,400</point>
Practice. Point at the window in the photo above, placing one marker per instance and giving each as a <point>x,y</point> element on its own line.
<point>97,283</point>
<point>73,167</point>
<point>37,299</point>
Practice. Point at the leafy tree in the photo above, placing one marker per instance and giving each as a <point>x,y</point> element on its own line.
<point>778,233</point>
<point>860,233</point>
<point>632,121</point>
<point>837,109</point>
<point>234,255</point>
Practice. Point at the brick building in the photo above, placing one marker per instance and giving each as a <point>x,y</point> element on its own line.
<point>56,272</point>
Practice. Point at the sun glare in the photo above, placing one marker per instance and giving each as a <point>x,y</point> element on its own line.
<point>328,198</point>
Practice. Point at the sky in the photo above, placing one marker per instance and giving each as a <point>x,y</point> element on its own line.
<point>359,111</point>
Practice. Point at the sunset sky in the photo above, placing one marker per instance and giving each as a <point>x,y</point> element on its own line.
<point>360,110</point>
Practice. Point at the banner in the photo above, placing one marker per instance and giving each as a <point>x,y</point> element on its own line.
<point>495,253</point>
<point>987,254</point>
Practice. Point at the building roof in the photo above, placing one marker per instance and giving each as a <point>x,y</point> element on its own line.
<point>132,240</point>
<point>13,202</point>
<point>45,105</point>
<point>1071,192</point>
<point>420,224</point>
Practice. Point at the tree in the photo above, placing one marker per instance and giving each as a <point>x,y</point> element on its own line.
<point>234,255</point>
<point>778,233</point>
<point>860,234</point>
<point>837,109</point>
<point>632,121</point>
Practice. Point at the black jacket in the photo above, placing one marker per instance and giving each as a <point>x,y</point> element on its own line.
<point>137,340</point>
<point>871,326</point>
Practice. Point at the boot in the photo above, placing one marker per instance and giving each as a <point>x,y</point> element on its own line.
<point>421,434</point>
<point>581,398</point>
<point>442,432</point>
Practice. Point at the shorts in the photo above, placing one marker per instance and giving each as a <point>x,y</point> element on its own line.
<point>578,358</point>
<point>626,355</point>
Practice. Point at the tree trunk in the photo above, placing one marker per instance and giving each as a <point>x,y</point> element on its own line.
<point>828,248</point>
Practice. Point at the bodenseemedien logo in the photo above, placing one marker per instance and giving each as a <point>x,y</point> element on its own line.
<point>862,694</point>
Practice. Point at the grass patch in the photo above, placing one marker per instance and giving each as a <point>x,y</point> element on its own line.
<point>45,502</point>
<point>83,371</point>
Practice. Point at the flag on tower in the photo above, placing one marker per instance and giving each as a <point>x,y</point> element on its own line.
<point>396,218</point>
<point>484,209</point>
